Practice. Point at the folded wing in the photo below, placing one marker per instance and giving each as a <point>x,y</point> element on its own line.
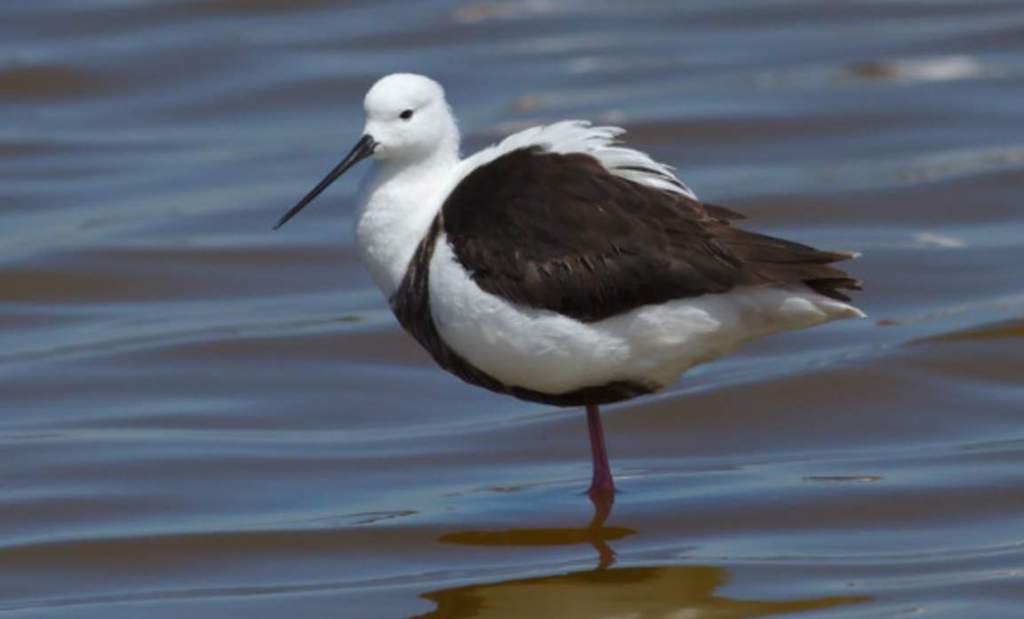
<point>562,232</point>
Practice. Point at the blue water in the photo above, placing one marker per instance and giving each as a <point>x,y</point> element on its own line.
<point>200,416</point>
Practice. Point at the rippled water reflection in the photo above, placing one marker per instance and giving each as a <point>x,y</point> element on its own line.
<point>199,416</point>
<point>674,591</point>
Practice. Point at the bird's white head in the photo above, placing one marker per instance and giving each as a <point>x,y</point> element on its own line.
<point>408,118</point>
<point>408,121</point>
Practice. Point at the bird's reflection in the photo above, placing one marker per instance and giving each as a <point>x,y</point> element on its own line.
<point>595,534</point>
<point>597,537</point>
<point>636,592</point>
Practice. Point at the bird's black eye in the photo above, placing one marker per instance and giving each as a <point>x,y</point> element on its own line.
<point>405,115</point>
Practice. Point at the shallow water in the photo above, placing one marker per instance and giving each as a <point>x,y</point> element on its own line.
<point>202,417</point>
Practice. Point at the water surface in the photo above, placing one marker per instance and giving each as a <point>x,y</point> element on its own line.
<point>201,417</point>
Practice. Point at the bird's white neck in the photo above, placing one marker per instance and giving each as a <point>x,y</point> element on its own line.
<point>398,202</point>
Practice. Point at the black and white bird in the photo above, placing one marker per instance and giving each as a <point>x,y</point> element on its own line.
<point>561,267</point>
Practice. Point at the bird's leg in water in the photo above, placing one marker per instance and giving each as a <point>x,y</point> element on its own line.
<point>602,486</point>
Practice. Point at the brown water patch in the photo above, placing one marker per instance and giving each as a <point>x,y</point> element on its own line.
<point>47,83</point>
<point>642,592</point>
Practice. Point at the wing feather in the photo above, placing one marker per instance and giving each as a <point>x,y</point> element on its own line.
<point>560,231</point>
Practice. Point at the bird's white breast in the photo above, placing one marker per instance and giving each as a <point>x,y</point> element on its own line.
<point>397,207</point>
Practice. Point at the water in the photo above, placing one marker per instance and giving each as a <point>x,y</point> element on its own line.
<point>201,417</point>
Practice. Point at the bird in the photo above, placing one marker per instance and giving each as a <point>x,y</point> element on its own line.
<point>559,266</point>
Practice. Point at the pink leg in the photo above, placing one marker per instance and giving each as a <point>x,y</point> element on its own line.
<point>601,485</point>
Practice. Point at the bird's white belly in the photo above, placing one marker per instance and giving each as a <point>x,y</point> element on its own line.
<point>547,352</point>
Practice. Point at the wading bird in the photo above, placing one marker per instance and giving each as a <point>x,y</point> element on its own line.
<point>561,267</point>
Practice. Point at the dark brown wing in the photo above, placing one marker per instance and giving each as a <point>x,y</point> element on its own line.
<point>560,232</point>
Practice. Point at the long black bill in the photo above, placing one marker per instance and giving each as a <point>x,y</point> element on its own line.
<point>363,149</point>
